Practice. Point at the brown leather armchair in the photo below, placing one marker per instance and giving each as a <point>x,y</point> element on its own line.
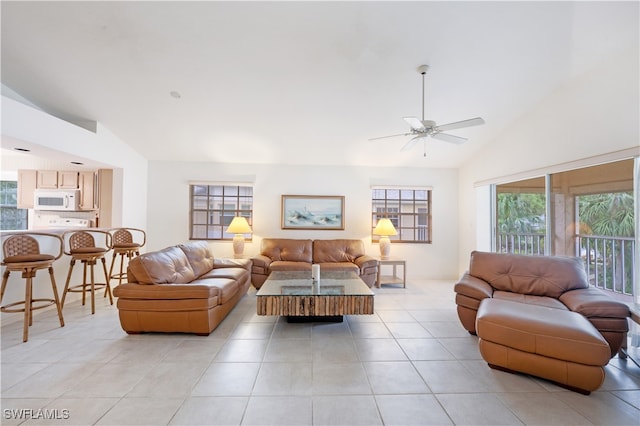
<point>538,315</point>
<point>553,281</point>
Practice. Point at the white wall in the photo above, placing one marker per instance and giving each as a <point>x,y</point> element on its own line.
<point>596,114</point>
<point>169,206</point>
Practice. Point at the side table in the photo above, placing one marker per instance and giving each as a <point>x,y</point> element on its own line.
<point>395,278</point>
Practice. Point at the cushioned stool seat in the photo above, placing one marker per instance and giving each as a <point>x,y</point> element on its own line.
<point>555,344</point>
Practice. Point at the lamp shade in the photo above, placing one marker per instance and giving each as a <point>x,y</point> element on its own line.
<point>385,228</point>
<point>239,225</point>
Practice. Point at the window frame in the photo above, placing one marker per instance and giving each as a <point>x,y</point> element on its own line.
<point>6,194</point>
<point>223,201</point>
<point>403,219</point>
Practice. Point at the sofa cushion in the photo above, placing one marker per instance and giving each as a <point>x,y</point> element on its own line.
<point>220,262</point>
<point>167,266</point>
<point>339,266</point>
<point>237,274</point>
<point>199,255</point>
<point>549,302</point>
<point>289,266</point>
<point>286,249</point>
<point>227,288</point>
<point>334,251</point>
<point>537,275</point>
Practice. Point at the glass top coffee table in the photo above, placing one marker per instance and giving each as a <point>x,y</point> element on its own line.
<point>294,295</point>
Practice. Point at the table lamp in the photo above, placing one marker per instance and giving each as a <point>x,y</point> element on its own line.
<point>238,226</point>
<point>384,228</point>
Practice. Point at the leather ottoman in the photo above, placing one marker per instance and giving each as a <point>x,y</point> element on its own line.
<point>555,344</point>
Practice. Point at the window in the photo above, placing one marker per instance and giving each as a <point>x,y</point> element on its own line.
<point>521,217</point>
<point>214,206</point>
<point>11,217</point>
<point>408,209</point>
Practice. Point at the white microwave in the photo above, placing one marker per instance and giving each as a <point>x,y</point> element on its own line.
<point>57,199</point>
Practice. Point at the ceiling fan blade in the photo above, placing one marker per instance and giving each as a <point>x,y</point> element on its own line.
<point>449,138</point>
<point>390,136</point>
<point>415,123</point>
<point>460,124</point>
<point>411,143</point>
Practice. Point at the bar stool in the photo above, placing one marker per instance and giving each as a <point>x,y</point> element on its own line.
<point>81,245</point>
<point>126,243</point>
<point>21,253</point>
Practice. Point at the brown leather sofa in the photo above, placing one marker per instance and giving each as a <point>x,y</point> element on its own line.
<point>538,315</point>
<point>285,254</point>
<point>181,289</point>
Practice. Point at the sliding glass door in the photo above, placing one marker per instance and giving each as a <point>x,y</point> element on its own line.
<point>587,212</point>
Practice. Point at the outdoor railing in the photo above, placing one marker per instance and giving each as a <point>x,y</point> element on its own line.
<point>521,243</point>
<point>608,261</point>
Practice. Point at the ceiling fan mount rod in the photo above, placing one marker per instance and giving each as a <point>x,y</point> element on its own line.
<point>422,69</point>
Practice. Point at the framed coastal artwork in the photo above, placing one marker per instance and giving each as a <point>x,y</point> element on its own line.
<point>312,212</point>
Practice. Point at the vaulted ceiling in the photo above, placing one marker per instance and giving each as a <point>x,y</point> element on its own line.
<point>301,82</point>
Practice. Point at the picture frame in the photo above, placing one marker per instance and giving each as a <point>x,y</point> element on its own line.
<point>314,212</point>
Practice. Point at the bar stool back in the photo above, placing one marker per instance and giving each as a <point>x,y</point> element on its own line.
<point>126,243</point>
<point>81,245</point>
<point>21,253</point>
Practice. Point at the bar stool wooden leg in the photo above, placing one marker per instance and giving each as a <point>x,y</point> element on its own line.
<point>5,278</point>
<point>91,264</point>
<point>129,255</point>
<point>27,305</point>
<point>107,287</point>
<point>55,296</point>
<point>113,262</point>
<point>66,284</point>
<point>88,282</point>
<point>84,282</point>
<point>121,275</point>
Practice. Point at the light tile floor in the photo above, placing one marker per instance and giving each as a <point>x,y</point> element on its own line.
<point>410,363</point>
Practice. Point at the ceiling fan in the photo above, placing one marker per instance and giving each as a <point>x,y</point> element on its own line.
<point>422,129</point>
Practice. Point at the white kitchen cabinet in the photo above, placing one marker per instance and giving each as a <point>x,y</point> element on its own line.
<point>47,179</point>
<point>27,182</point>
<point>54,179</point>
<point>67,180</point>
<point>87,183</point>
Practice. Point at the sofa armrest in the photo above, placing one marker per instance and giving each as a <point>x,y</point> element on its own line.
<point>607,315</point>
<point>262,261</point>
<point>232,263</point>
<point>365,261</point>
<point>592,302</point>
<point>473,287</point>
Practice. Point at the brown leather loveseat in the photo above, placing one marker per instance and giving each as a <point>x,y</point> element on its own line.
<point>285,254</point>
<point>538,315</point>
<point>180,288</point>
